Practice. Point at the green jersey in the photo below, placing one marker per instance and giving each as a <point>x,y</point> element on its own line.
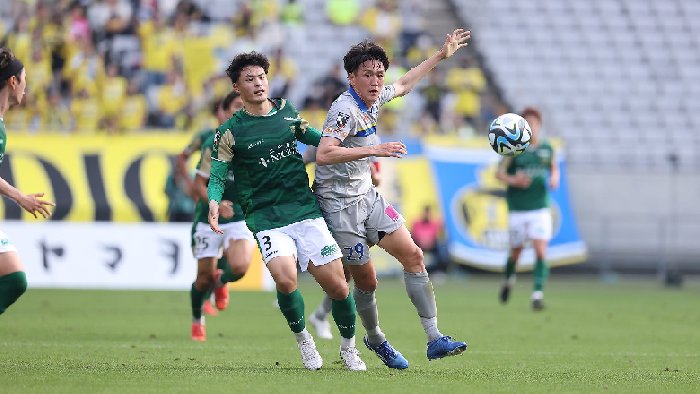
<point>201,213</point>
<point>3,140</point>
<point>536,162</point>
<point>271,181</point>
<point>197,141</point>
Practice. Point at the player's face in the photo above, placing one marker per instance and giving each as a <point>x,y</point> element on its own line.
<point>225,113</point>
<point>368,80</point>
<point>18,88</point>
<point>252,85</point>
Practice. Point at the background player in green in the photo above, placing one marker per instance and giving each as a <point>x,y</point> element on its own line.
<point>236,241</point>
<point>259,144</point>
<point>357,214</point>
<point>13,281</point>
<point>528,177</point>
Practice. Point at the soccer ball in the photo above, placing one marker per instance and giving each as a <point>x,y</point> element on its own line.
<point>509,134</point>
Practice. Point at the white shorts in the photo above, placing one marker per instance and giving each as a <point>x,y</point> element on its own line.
<point>524,226</point>
<point>207,243</point>
<point>306,240</point>
<point>5,244</point>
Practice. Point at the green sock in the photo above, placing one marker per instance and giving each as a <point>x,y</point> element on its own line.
<point>344,316</point>
<point>510,268</point>
<point>11,287</point>
<point>197,297</point>
<point>292,307</point>
<point>227,275</point>
<point>541,273</point>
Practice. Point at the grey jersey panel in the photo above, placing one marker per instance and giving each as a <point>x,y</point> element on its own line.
<point>340,185</point>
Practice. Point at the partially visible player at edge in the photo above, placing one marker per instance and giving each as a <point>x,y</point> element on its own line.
<point>259,144</point>
<point>356,213</point>
<point>237,241</point>
<point>528,177</point>
<point>319,317</point>
<point>13,280</point>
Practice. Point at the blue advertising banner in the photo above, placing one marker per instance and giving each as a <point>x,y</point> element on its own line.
<point>476,215</point>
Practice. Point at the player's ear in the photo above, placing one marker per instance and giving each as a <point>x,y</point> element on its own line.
<point>234,86</point>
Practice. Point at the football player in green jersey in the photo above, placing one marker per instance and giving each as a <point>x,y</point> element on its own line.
<point>13,280</point>
<point>259,144</point>
<point>528,177</point>
<point>237,241</point>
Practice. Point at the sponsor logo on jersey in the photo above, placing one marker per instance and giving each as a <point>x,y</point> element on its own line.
<point>329,250</point>
<point>256,143</point>
<point>279,153</point>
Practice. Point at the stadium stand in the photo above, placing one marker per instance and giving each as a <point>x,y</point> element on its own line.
<point>612,68</point>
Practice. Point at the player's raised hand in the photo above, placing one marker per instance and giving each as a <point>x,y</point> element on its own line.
<point>226,209</point>
<point>389,149</point>
<point>454,41</point>
<point>214,217</point>
<point>33,204</point>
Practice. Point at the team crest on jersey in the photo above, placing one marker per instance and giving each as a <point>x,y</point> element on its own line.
<point>342,120</point>
<point>217,137</point>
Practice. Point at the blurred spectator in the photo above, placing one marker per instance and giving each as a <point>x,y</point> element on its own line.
<point>433,94</point>
<point>58,116</point>
<point>165,57</point>
<point>282,74</point>
<point>426,232</point>
<point>342,12</point>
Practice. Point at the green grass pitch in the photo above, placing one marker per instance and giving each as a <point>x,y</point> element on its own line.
<point>593,337</point>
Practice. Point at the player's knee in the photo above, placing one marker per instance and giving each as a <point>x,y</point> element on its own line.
<point>413,260</point>
<point>204,281</point>
<point>239,270</point>
<point>366,282</point>
<point>286,285</point>
<point>339,290</point>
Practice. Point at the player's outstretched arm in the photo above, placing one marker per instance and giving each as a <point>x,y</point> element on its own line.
<point>330,151</point>
<point>221,156</point>
<point>453,42</point>
<point>31,203</point>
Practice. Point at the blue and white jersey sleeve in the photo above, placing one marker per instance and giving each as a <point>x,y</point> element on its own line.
<point>388,93</point>
<point>340,122</point>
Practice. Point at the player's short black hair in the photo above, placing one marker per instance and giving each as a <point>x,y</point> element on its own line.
<point>226,101</point>
<point>9,66</point>
<point>215,105</point>
<point>244,60</point>
<point>360,53</point>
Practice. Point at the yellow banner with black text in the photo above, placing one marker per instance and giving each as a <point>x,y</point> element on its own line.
<point>93,178</point>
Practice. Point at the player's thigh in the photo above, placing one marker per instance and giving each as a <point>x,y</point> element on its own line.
<point>331,278</point>
<point>539,225</point>
<point>238,245</point>
<point>517,229</point>
<point>205,242</point>
<point>315,243</point>
<point>239,254</point>
<point>348,229</point>
<point>10,262</point>
<point>364,275</point>
<point>400,245</point>
<point>283,270</point>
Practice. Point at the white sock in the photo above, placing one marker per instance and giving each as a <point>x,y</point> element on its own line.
<point>375,336</point>
<point>431,328</point>
<point>303,335</point>
<point>198,321</point>
<point>537,295</point>
<point>346,343</point>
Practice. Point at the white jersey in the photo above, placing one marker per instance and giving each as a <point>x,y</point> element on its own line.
<point>349,120</point>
